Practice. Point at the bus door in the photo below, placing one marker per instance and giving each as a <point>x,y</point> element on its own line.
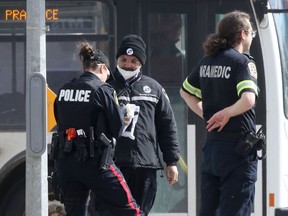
<point>164,28</point>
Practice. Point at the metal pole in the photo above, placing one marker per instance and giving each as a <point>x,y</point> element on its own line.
<point>36,156</point>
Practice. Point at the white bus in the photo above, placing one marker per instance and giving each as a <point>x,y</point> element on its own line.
<point>174,31</point>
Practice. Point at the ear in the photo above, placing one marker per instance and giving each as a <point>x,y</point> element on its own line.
<point>243,35</point>
<point>101,69</point>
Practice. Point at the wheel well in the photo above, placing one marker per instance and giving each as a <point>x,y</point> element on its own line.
<point>14,171</point>
<point>11,173</point>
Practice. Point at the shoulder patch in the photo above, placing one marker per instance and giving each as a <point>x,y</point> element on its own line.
<point>147,89</point>
<point>252,69</point>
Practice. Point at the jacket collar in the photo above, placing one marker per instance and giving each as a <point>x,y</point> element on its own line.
<point>128,82</point>
<point>89,74</point>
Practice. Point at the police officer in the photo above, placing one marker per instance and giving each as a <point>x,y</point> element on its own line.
<point>222,89</point>
<point>83,107</point>
<point>152,130</point>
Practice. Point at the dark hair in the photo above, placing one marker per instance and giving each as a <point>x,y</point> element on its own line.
<point>86,54</point>
<point>228,33</point>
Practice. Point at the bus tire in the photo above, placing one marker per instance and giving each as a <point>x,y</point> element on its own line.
<point>14,201</point>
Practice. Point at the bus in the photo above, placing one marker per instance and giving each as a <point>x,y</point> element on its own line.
<point>174,31</point>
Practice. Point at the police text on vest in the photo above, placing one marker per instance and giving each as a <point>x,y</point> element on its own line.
<point>74,95</point>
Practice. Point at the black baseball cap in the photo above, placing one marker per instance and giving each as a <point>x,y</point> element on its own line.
<point>99,56</point>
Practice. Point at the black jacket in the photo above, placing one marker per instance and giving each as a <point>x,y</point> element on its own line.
<point>87,101</point>
<point>219,82</point>
<point>156,126</point>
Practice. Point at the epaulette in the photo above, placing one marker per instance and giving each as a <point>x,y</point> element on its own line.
<point>249,56</point>
<point>73,80</point>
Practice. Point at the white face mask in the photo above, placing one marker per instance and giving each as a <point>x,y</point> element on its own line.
<point>128,74</point>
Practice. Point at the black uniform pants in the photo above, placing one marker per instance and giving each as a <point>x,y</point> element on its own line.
<point>143,185</point>
<point>77,178</point>
<point>227,180</point>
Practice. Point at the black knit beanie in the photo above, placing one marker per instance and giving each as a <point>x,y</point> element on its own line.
<point>133,45</point>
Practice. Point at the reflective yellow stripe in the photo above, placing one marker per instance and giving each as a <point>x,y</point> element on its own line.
<point>246,84</point>
<point>191,89</point>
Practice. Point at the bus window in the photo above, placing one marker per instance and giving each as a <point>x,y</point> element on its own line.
<point>69,66</point>
<point>67,23</point>
<point>12,109</point>
<point>281,22</point>
<point>167,63</point>
<point>74,18</point>
<point>78,17</point>
<point>167,43</point>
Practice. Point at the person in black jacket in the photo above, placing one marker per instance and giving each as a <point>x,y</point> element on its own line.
<point>152,130</point>
<point>84,107</point>
<point>222,89</point>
